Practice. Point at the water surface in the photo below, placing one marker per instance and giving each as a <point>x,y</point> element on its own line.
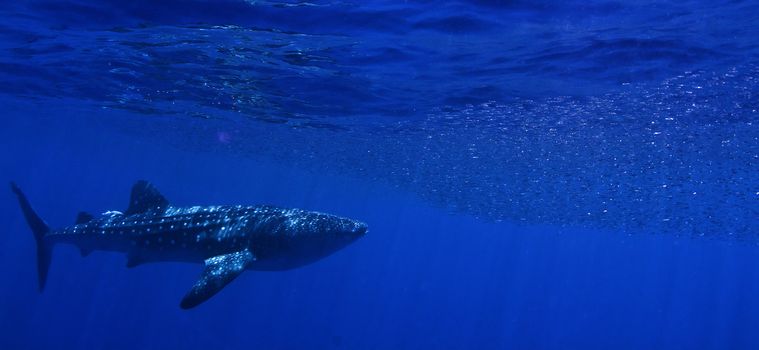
<point>548,175</point>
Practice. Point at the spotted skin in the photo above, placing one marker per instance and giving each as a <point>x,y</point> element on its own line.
<point>197,233</point>
<point>227,239</point>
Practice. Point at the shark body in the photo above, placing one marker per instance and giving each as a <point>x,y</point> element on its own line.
<point>227,239</point>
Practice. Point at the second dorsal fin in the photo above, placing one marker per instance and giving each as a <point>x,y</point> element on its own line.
<point>145,197</point>
<point>83,217</point>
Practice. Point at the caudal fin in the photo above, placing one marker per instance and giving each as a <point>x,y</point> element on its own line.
<point>39,228</point>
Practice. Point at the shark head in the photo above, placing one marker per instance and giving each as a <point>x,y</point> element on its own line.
<point>337,232</point>
<point>332,227</point>
<point>297,237</point>
<point>351,228</point>
<point>301,223</point>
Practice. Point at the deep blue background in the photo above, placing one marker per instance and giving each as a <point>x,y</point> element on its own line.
<point>422,278</point>
<point>413,117</point>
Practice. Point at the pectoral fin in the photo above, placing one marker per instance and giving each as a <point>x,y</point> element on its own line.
<point>219,271</point>
<point>134,257</point>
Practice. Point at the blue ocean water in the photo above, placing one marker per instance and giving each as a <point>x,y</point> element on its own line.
<point>535,174</point>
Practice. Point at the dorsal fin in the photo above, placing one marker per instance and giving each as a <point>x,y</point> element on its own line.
<point>145,197</point>
<point>83,217</point>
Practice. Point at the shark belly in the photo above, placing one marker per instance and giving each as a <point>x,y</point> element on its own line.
<point>277,253</point>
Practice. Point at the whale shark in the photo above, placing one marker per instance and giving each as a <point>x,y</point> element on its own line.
<point>226,239</point>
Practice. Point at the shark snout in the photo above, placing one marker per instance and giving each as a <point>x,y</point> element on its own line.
<point>360,228</point>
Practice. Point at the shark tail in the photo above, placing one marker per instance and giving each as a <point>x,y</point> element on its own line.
<point>40,229</point>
